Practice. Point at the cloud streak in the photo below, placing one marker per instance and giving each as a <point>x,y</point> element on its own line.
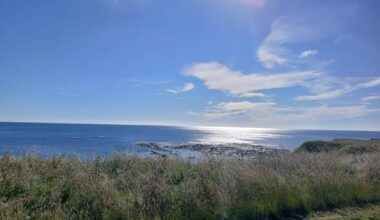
<point>329,94</point>
<point>273,52</point>
<point>231,109</point>
<point>185,88</point>
<point>308,53</point>
<point>269,113</point>
<point>322,87</point>
<point>219,77</point>
<point>371,98</point>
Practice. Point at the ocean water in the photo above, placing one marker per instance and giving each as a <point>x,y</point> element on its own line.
<point>105,140</point>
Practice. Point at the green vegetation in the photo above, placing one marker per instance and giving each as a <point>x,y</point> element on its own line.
<point>319,146</point>
<point>347,146</point>
<point>291,185</point>
<point>359,146</point>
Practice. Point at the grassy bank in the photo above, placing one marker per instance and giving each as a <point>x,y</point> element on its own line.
<point>341,146</point>
<point>134,188</point>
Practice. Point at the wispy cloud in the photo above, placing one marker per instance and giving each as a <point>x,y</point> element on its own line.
<point>326,112</point>
<point>272,113</point>
<point>324,94</point>
<point>252,94</point>
<point>371,83</point>
<point>185,88</point>
<point>228,109</point>
<point>235,83</point>
<point>273,52</point>
<point>220,77</point>
<point>308,53</point>
<point>331,113</point>
<point>371,98</point>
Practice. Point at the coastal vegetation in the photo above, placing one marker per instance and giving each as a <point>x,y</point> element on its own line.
<point>316,177</point>
<point>345,146</point>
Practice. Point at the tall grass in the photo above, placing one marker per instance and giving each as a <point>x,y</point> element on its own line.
<point>149,188</point>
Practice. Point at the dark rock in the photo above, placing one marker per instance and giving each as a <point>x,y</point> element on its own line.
<point>233,150</point>
<point>152,145</point>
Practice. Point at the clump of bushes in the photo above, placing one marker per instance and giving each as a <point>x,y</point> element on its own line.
<point>161,188</point>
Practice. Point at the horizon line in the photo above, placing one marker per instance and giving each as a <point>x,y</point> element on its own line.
<point>183,126</point>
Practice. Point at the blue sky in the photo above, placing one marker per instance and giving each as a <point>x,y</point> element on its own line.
<point>251,63</point>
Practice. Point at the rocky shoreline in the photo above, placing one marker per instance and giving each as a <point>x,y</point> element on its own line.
<point>231,150</point>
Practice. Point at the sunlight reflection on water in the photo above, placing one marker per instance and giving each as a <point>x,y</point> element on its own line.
<point>223,135</point>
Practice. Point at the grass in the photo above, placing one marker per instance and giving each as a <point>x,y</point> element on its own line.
<point>120,187</point>
<point>369,212</point>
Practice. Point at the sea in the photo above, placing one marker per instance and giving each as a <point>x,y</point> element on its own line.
<point>92,140</point>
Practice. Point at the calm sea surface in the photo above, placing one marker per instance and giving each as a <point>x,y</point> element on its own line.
<point>104,140</point>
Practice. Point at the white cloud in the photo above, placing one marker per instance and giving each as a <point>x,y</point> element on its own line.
<point>271,56</point>
<point>232,106</point>
<point>220,77</point>
<point>371,98</point>
<point>271,113</point>
<point>371,83</point>
<point>328,93</point>
<point>272,52</point>
<point>187,87</point>
<point>330,113</point>
<point>324,95</point>
<point>252,94</point>
<point>322,87</point>
<point>229,109</point>
<point>308,53</point>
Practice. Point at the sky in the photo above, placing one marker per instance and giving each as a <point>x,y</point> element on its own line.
<point>250,63</point>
